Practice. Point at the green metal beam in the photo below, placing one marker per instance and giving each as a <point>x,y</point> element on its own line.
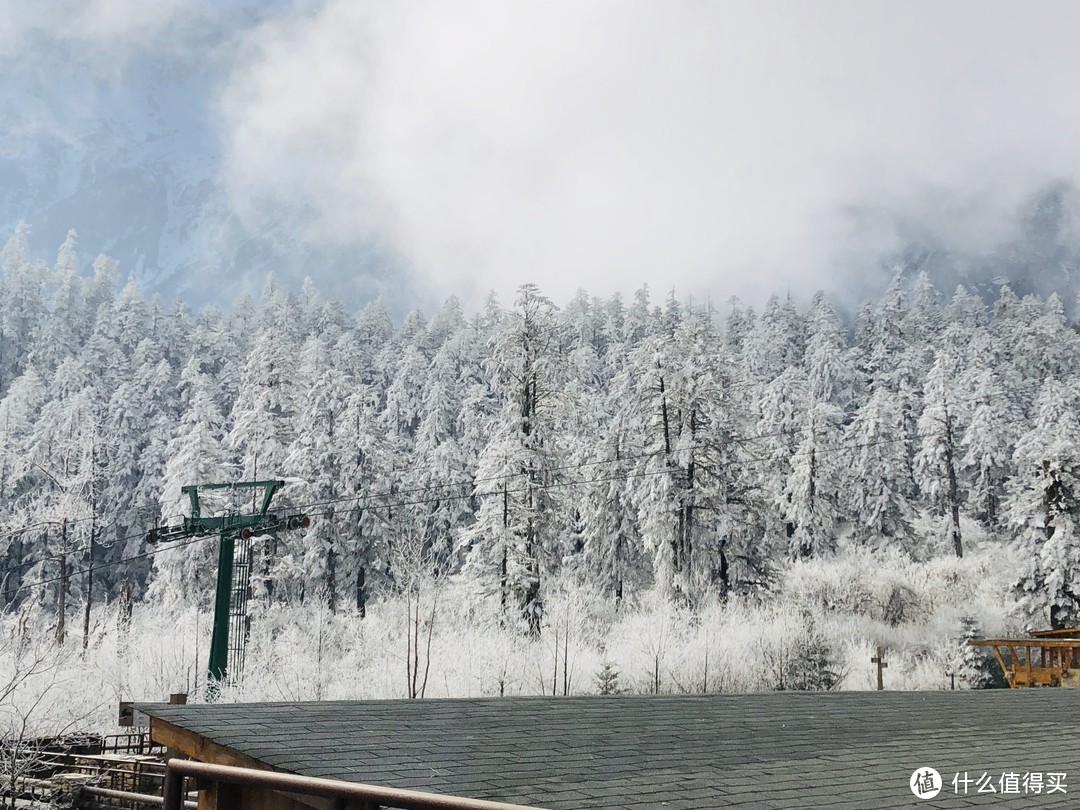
<point>219,643</point>
<point>197,524</point>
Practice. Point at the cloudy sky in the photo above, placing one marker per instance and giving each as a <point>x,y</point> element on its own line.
<point>720,147</point>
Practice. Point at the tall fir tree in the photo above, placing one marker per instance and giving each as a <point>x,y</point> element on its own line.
<point>1044,508</point>
<point>937,462</point>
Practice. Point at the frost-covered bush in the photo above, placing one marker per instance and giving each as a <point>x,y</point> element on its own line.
<point>795,654</point>
<point>818,630</point>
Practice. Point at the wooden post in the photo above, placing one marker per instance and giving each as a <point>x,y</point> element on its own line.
<point>879,659</point>
<point>173,797</point>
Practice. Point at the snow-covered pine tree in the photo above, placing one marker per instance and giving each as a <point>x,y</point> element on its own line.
<point>22,307</point>
<point>68,460</point>
<point>607,680</point>
<point>965,320</point>
<point>449,320</point>
<point>923,324</point>
<point>196,455</point>
<point>813,487</point>
<point>1044,508</point>
<point>602,452</point>
<point>18,411</point>
<point>1047,346</point>
<point>936,462</point>
<point>880,475</point>
<point>977,668</point>
<point>441,470</point>
<point>776,342</point>
<point>738,327</point>
<point>365,475</point>
<point>987,448</point>
<point>316,460</point>
<point>783,407</point>
<point>692,502</point>
<point>65,327</point>
<point>639,320</point>
<point>519,521</point>
<point>882,341</point>
<point>161,409</point>
<point>263,418</point>
<point>830,369</point>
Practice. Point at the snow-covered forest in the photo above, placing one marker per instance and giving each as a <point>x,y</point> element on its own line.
<point>651,493</point>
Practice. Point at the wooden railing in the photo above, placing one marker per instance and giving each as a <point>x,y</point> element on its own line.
<point>227,785</point>
<point>1043,660</point>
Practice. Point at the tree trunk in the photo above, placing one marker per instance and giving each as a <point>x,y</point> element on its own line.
<point>361,596</point>
<point>954,492</point>
<point>89,591</point>
<point>331,579</point>
<point>1057,618</point>
<point>722,574</point>
<point>566,658</point>
<point>409,681</point>
<point>503,583</point>
<point>664,414</point>
<point>61,602</point>
<point>123,614</point>
<point>90,565</point>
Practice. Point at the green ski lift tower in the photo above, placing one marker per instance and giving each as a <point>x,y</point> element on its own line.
<point>236,531</point>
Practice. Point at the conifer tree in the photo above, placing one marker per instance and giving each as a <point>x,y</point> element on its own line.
<point>937,460</point>
<point>1044,508</point>
<point>317,460</point>
<point>880,475</point>
<point>196,455</point>
<point>830,372</point>
<point>977,669</point>
<point>22,307</point>
<point>813,486</point>
<point>519,521</point>
<point>987,448</point>
<point>688,493</point>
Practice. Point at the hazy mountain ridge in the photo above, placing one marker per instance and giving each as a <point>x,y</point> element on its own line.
<point>133,163</point>
<point>1035,252</point>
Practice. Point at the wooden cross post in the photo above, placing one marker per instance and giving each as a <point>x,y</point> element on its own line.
<point>879,659</point>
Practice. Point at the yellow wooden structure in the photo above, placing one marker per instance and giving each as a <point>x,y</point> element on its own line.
<point>1046,658</point>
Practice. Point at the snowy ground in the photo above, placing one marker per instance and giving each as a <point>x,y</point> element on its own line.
<point>819,631</point>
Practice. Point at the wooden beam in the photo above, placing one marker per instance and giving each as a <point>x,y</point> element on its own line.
<point>1067,632</point>
<point>1026,642</point>
<point>1001,663</point>
<point>200,748</point>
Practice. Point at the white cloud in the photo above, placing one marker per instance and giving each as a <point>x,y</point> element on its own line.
<point>108,30</point>
<point>606,143</point>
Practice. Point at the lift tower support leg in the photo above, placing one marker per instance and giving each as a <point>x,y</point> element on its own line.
<point>219,644</point>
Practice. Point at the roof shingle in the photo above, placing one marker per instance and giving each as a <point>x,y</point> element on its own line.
<point>676,752</point>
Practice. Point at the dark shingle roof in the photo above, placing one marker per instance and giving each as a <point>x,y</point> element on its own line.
<point>848,749</point>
